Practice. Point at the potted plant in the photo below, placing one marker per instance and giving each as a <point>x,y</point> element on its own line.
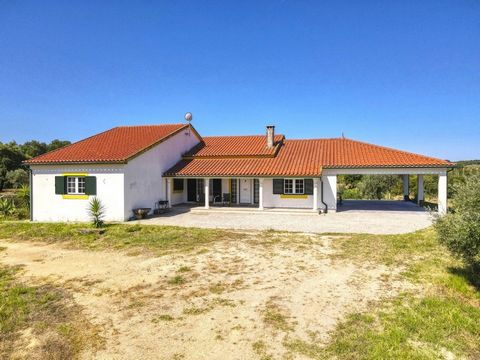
<point>141,213</point>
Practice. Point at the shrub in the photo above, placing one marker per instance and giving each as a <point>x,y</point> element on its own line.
<point>96,210</point>
<point>378,186</point>
<point>23,196</point>
<point>16,178</point>
<point>459,231</point>
<point>7,207</point>
<point>353,194</point>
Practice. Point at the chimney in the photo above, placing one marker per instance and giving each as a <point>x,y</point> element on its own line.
<point>270,136</point>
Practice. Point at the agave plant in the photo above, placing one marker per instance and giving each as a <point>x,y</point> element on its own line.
<point>23,195</point>
<point>96,210</point>
<point>7,207</point>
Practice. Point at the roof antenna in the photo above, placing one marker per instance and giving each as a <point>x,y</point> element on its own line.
<point>343,135</point>
<point>188,118</point>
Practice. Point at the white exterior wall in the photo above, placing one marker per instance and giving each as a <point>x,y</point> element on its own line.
<point>47,206</point>
<point>271,200</point>
<point>144,184</point>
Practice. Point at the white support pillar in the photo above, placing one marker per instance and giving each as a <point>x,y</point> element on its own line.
<point>260,194</point>
<point>442,193</point>
<point>406,190</point>
<point>169,192</point>
<point>420,191</point>
<point>206,183</point>
<point>315,194</point>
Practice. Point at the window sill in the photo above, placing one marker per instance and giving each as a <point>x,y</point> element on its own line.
<point>293,196</point>
<point>77,197</point>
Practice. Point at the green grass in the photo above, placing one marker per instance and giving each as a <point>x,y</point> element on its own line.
<point>441,317</point>
<point>135,238</point>
<point>177,280</point>
<point>59,326</point>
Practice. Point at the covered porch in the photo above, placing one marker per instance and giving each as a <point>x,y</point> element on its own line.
<point>317,194</point>
<point>312,194</point>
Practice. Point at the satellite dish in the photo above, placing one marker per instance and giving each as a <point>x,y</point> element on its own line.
<point>188,116</point>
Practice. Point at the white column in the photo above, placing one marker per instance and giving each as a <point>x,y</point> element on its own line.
<point>406,190</point>
<point>260,194</point>
<point>330,192</point>
<point>442,193</point>
<point>169,192</point>
<point>315,194</point>
<point>420,195</point>
<point>206,183</point>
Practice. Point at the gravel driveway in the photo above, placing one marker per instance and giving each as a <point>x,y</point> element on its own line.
<point>373,217</point>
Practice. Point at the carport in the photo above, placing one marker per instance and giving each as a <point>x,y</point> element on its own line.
<point>405,172</point>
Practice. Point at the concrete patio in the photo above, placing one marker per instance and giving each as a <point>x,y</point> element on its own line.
<point>353,216</point>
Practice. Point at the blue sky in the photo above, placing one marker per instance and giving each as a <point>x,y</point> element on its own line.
<point>404,74</point>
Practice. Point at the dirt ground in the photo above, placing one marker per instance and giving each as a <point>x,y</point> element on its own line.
<point>235,300</point>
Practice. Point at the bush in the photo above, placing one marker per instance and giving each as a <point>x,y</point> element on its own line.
<point>96,210</point>
<point>353,194</point>
<point>459,231</point>
<point>7,207</point>
<point>16,178</point>
<point>378,186</point>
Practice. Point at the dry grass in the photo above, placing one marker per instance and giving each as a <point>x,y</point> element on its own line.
<point>41,322</point>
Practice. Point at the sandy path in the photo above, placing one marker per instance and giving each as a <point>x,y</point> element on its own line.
<point>218,312</point>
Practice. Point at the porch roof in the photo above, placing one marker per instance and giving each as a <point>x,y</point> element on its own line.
<point>305,158</point>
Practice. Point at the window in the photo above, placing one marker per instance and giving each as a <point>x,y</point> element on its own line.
<point>178,185</point>
<point>293,186</point>
<point>75,185</point>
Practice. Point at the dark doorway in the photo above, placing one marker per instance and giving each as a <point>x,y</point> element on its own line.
<point>217,188</point>
<point>191,190</point>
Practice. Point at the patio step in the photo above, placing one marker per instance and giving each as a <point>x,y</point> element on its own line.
<point>200,210</point>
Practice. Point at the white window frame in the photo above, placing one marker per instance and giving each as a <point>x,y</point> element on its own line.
<point>76,184</point>
<point>294,183</point>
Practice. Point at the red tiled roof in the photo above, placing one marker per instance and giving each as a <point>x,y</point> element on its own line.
<point>305,158</point>
<point>234,146</point>
<point>115,145</point>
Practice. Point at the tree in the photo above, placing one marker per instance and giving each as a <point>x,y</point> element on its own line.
<point>33,148</point>
<point>16,178</point>
<point>459,230</point>
<point>57,144</point>
<point>377,186</point>
<point>10,159</point>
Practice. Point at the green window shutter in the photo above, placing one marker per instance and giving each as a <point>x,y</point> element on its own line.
<point>90,185</point>
<point>60,185</point>
<point>309,186</point>
<point>278,186</point>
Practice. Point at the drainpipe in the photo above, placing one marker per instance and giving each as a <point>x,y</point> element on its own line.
<point>321,195</point>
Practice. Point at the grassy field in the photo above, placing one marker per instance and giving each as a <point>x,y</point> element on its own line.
<point>43,317</point>
<point>157,240</point>
<point>439,317</point>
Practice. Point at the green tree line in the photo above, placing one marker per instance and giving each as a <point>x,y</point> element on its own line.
<point>13,174</point>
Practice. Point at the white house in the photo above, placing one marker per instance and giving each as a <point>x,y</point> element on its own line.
<point>137,166</point>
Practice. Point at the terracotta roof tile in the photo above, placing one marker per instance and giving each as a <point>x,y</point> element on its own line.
<point>305,158</point>
<point>249,145</point>
<point>115,145</point>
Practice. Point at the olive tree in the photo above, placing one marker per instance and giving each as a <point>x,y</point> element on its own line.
<point>459,230</point>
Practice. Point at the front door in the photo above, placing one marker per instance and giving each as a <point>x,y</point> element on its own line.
<point>245,191</point>
<point>192,190</point>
